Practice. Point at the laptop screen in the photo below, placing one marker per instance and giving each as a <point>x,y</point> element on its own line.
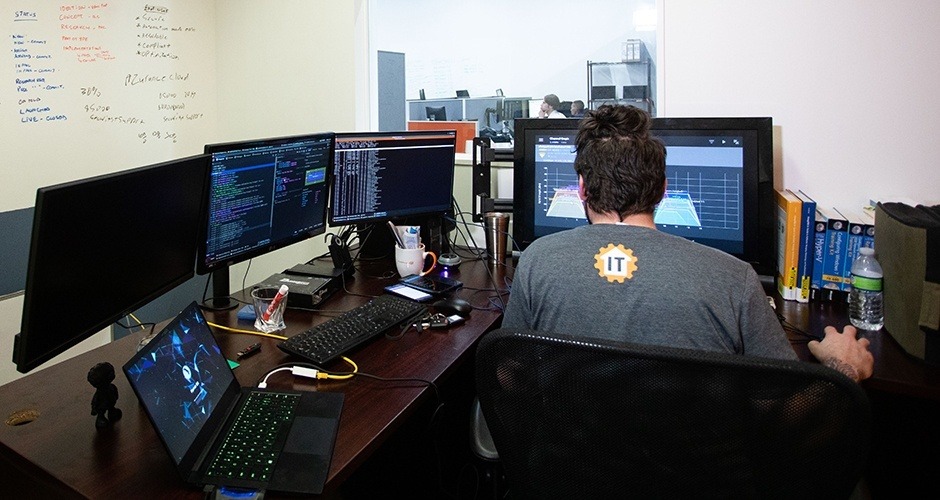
<point>181,377</point>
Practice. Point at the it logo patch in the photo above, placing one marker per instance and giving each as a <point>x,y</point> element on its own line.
<point>615,263</point>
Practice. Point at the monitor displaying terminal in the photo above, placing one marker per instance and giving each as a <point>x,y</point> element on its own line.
<point>104,246</point>
<point>391,175</point>
<point>263,195</point>
<point>719,175</point>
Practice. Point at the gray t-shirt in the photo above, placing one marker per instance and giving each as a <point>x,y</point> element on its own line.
<point>637,284</point>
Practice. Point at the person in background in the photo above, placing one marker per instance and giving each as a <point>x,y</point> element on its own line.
<point>549,107</point>
<point>577,109</point>
<point>619,278</point>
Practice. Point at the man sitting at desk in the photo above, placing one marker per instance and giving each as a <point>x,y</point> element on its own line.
<point>669,291</point>
<point>549,107</point>
<point>577,108</point>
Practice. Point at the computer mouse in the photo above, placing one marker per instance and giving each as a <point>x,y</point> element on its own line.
<point>453,305</point>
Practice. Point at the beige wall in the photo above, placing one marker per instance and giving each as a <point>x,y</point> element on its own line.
<point>280,67</point>
<point>285,67</point>
<point>851,86</point>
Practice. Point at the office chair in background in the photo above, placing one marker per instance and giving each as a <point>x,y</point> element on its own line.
<point>592,419</point>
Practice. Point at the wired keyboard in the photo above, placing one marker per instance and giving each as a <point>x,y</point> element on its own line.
<point>331,339</point>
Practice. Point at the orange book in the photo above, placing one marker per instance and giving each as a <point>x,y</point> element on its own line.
<point>788,244</point>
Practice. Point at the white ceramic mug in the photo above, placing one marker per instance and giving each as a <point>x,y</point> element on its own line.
<point>412,260</point>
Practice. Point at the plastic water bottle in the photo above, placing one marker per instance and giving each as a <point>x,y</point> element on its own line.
<point>866,300</point>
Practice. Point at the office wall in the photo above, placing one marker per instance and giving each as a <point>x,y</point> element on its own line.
<point>91,88</point>
<point>95,87</point>
<point>851,86</point>
<point>264,69</point>
<point>285,67</point>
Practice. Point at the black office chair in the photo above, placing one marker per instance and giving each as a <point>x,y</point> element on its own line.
<point>592,419</point>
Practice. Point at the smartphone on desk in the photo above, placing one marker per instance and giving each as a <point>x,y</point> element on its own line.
<point>408,292</point>
<point>432,284</point>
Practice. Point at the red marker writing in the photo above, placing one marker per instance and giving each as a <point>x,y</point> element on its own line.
<point>281,293</point>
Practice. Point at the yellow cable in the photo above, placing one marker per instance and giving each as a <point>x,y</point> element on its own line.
<point>323,375</point>
<point>320,375</point>
<point>248,332</point>
<point>139,322</point>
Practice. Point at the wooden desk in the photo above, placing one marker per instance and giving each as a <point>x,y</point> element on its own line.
<point>61,452</point>
<point>905,397</point>
<point>895,371</point>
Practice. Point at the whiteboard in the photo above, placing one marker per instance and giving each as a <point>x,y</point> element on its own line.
<point>96,87</point>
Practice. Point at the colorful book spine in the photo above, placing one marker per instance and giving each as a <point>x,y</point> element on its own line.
<point>853,241</point>
<point>788,242</point>
<point>804,273</point>
<point>834,258</point>
<point>861,234</point>
<point>868,240</point>
<point>819,255</point>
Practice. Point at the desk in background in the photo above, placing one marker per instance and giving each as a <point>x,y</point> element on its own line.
<point>466,131</point>
<point>61,453</point>
<point>472,108</point>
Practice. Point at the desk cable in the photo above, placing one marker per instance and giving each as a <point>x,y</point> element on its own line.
<point>309,371</point>
<point>246,332</point>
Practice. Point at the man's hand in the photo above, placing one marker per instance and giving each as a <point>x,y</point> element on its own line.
<point>842,351</point>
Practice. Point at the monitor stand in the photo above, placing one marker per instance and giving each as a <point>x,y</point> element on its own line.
<point>220,300</point>
<point>221,290</point>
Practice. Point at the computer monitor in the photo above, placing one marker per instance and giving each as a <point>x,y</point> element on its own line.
<point>392,176</point>
<point>436,113</point>
<point>381,176</point>
<point>263,195</point>
<point>719,173</point>
<point>104,246</point>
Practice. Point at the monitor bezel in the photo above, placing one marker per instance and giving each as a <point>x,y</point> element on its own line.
<point>80,279</point>
<point>202,266</point>
<point>759,248</point>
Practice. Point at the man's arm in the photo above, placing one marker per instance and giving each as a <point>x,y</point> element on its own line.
<point>844,352</point>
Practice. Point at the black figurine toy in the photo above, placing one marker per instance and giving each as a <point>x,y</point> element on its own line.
<point>106,395</point>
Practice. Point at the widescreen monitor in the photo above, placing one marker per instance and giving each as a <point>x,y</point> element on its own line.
<point>719,175</point>
<point>381,176</point>
<point>263,195</point>
<point>104,246</point>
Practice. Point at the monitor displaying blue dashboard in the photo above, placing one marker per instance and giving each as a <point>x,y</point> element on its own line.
<point>263,195</point>
<point>719,174</point>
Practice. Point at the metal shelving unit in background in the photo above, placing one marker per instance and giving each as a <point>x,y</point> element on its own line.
<point>623,82</point>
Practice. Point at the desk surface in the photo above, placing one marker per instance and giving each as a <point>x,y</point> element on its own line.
<point>895,371</point>
<point>62,449</point>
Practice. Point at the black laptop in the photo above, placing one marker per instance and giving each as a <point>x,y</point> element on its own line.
<point>196,405</point>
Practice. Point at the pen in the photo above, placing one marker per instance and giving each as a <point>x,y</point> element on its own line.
<point>274,303</point>
<point>397,236</point>
<point>248,351</point>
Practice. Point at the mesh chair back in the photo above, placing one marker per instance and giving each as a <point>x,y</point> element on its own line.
<point>577,419</point>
